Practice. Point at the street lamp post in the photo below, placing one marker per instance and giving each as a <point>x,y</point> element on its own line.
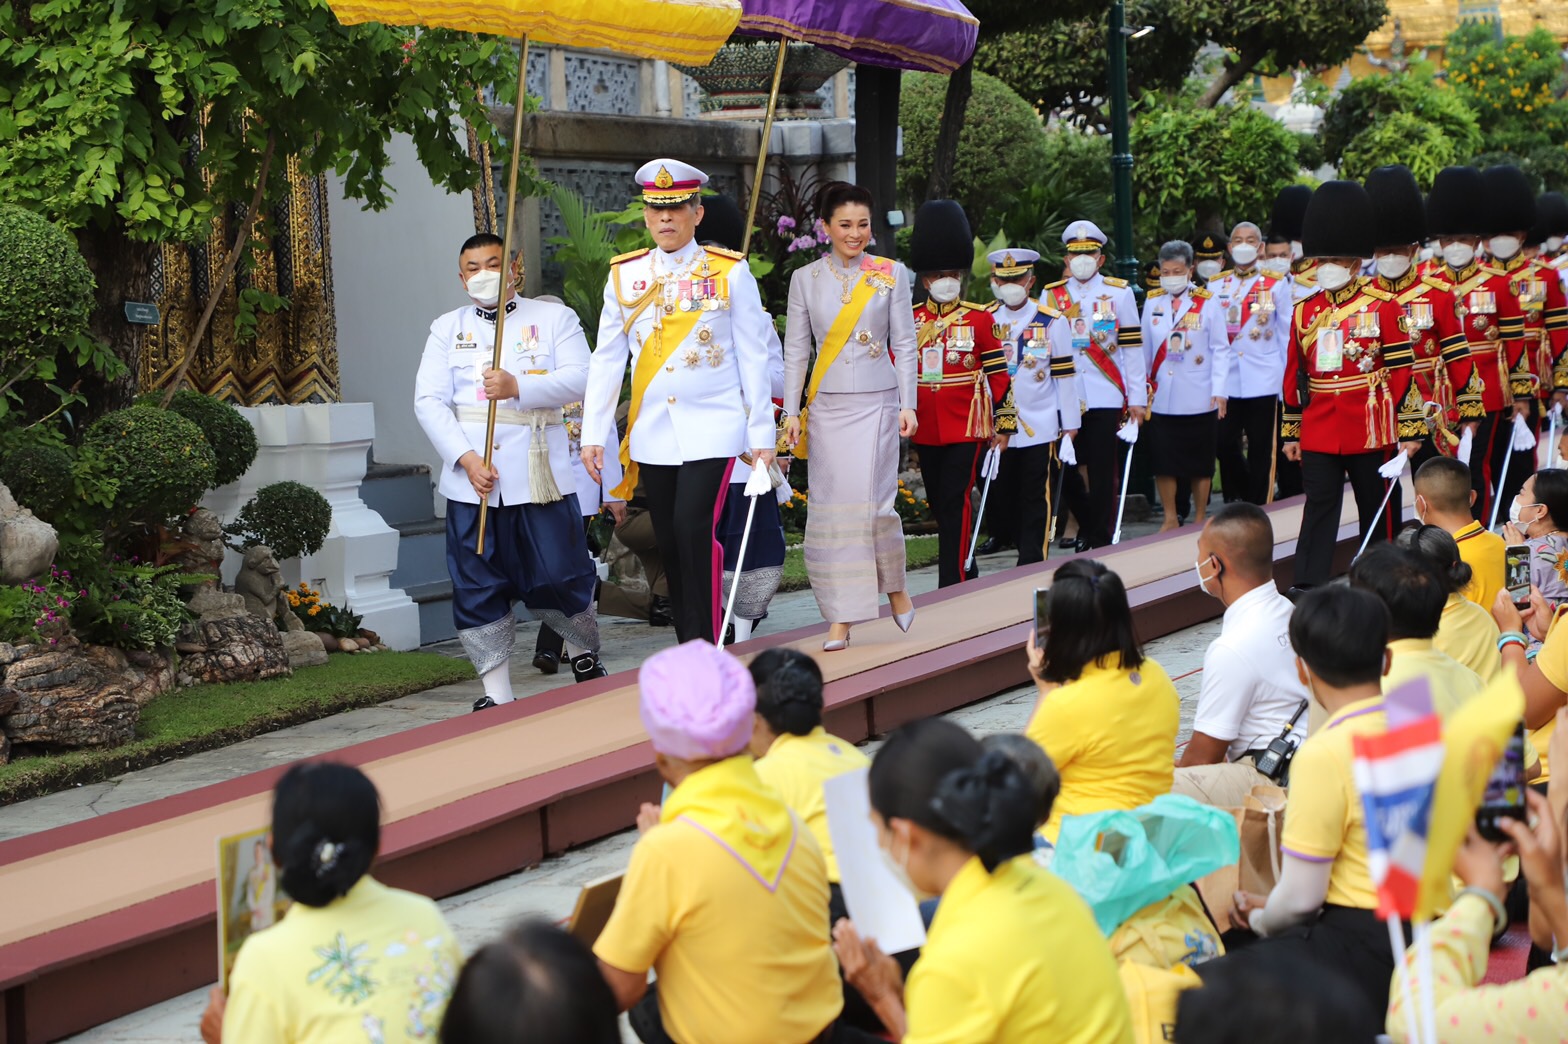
<point>1126,259</point>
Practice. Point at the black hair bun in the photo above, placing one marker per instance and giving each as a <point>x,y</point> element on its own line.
<point>991,807</point>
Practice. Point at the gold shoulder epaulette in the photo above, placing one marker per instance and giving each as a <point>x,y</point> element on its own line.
<point>1052,286</point>
<point>974,307</point>
<point>1157,292</point>
<point>1221,275</point>
<point>1199,291</point>
<point>1436,281</point>
<point>734,255</point>
<point>1113,281</point>
<point>1375,292</point>
<point>993,306</point>
<point>1044,307</point>
<point>628,257</point>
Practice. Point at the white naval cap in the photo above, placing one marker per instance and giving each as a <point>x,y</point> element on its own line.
<point>1083,237</point>
<point>667,182</point>
<point>1012,262</point>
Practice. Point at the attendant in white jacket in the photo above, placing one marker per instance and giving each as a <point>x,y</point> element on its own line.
<point>1189,367</point>
<point>535,550</point>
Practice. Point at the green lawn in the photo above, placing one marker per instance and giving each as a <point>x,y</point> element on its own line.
<point>205,717</point>
<point>919,552</point>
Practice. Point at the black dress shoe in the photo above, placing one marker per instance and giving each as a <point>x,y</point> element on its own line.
<point>991,546</point>
<point>729,635</point>
<point>659,611</point>
<point>587,667</point>
<point>1068,543</point>
<point>547,661</point>
<point>484,703</point>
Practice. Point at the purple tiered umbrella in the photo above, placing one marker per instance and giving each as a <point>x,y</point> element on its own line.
<point>923,35</point>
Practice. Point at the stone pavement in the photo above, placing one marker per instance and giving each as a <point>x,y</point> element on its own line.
<point>550,889</point>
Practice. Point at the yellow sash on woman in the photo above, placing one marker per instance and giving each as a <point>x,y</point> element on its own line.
<point>838,336</point>
<point>669,331</point>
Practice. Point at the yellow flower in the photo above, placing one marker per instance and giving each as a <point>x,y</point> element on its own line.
<point>314,610</point>
<point>1529,108</point>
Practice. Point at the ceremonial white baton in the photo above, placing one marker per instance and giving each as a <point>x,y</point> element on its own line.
<point>1395,464</point>
<point>1502,480</point>
<point>758,484</point>
<point>988,468</point>
<point>1121,506</point>
<point>1555,414</point>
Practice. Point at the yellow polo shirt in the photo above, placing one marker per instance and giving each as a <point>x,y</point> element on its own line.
<point>1112,736</point>
<point>1552,659</point>
<point>1014,957</point>
<point>1469,634</point>
<point>1483,550</point>
<point>1323,818</point>
<point>738,961</point>
<point>1452,682</point>
<point>797,766</point>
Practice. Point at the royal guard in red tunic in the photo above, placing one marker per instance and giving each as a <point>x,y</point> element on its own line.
<point>1442,400</point>
<point>1348,366</point>
<point>1549,233</point>
<point>963,404</point>
<point>1488,315</point>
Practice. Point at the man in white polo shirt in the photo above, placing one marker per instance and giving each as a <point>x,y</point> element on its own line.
<point>1250,685</point>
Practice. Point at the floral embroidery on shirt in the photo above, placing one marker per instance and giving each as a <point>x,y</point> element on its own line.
<point>432,989</point>
<point>345,971</point>
<point>375,1032</point>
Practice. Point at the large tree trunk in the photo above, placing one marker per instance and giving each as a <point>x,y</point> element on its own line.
<point>123,270</point>
<point>1231,73</point>
<point>959,88</point>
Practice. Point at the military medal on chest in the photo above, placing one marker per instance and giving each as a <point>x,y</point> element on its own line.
<point>869,343</point>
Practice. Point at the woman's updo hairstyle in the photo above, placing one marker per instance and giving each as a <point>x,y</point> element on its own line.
<point>789,690</point>
<point>1438,547</point>
<point>326,830</point>
<point>935,774</point>
<point>836,194</point>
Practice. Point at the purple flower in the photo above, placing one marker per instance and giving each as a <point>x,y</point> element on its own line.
<point>785,223</point>
<point>82,593</point>
<point>820,229</point>
<point>51,641</point>
<point>801,243</point>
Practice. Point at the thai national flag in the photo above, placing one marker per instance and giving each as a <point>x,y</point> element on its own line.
<point>1396,773</point>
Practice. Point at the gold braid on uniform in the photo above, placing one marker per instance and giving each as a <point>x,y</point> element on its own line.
<point>1469,400</point>
<point>1004,415</point>
<point>1290,425</point>
<point>1412,415</point>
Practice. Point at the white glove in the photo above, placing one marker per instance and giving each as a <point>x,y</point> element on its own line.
<point>992,463</point>
<point>1396,466</point>
<point>759,483</point>
<point>1128,432</point>
<point>784,493</point>
<point>1556,412</point>
<point>1065,452</point>
<point>1524,435</point>
<point>1466,441</point>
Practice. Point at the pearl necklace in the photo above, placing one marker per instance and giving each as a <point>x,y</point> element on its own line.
<point>847,282</point>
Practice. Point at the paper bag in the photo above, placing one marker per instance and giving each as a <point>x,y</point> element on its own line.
<point>1260,821</point>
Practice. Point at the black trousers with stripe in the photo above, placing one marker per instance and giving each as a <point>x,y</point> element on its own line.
<point>949,475</point>
<point>1248,476</point>
<point>684,501</point>
<point>1093,486</point>
<point>1324,476</point>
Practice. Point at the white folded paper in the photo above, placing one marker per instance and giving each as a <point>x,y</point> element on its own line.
<point>879,904</point>
<point>992,463</point>
<point>1065,452</point>
<point>1396,465</point>
<point>760,481</point>
<point>1524,435</point>
<point>1466,441</point>
<point>1128,432</point>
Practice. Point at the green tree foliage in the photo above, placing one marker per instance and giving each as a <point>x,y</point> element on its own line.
<point>1002,145</point>
<point>1407,118</point>
<point>289,517</point>
<point>1514,89</point>
<point>1078,187</point>
<point>1199,168</point>
<point>161,461</point>
<point>584,253</point>
<point>138,121</point>
<point>231,436</point>
<point>1279,34</point>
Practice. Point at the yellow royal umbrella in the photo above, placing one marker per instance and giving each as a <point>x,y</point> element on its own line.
<point>688,31</point>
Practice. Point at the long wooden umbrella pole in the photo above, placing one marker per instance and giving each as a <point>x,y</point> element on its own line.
<point>506,268</point>
<point>762,153</point>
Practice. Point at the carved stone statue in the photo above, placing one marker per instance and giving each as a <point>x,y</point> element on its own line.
<point>1399,59</point>
<point>261,584</point>
<point>201,547</point>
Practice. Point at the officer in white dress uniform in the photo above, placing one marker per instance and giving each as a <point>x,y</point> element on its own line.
<point>1256,307</point>
<point>1102,334</point>
<point>1190,365</point>
<point>1045,393</point>
<point>535,550</point>
<point>690,320</point>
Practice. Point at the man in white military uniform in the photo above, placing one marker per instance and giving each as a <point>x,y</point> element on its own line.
<point>691,321</point>
<point>1045,393</point>
<point>1189,367</point>
<point>535,550</point>
<point>1102,334</point>
<point>1250,300</point>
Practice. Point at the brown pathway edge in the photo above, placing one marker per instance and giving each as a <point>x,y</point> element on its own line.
<point>119,909</point>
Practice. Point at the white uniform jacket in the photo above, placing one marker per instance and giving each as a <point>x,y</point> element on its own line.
<point>742,471</point>
<point>1197,362</point>
<point>1107,297</point>
<point>547,353</point>
<point>1045,387</point>
<point>710,397</point>
<point>1257,311</point>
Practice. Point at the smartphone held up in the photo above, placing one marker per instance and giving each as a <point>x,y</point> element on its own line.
<point>1504,794</point>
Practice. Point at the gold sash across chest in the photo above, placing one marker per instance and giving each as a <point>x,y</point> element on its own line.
<point>832,346</point>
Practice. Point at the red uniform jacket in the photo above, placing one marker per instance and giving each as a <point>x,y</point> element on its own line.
<point>1442,370</point>
<point>1538,289</point>
<point>954,408</point>
<point>1348,408</point>
<point>1494,329</point>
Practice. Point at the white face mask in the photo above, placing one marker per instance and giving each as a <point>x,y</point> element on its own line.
<point>1332,277</point>
<point>1504,247</point>
<point>1173,285</point>
<point>899,870</point>
<point>1209,269</point>
<point>485,287</point>
<point>1458,255</point>
<point>1244,253</point>
<point>1514,515</point>
<point>1010,294</point>
<point>1083,267</point>
<point>1427,254</point>
<point>1393,266</point>
<point>1553,244</point>
<point>1275,266</point>
<point>944,290</point>
<point>1203,581</point>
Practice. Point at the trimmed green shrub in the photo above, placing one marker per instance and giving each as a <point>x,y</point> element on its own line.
<point>289,517</point>
<point>46,290</point>
<point>230,435</point>
<point>161,461</point>
<point>38,475</point>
